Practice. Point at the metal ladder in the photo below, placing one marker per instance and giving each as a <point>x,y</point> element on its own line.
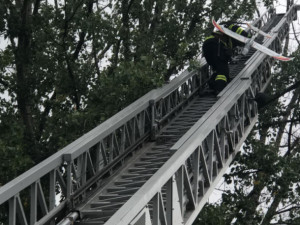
<point>158,160</point>
<point>106,202</point>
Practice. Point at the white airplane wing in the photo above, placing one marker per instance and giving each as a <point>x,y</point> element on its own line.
<point>270,52</point>
<point>247,40</point>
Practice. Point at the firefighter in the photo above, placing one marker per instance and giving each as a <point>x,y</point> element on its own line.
<point>217,50</point>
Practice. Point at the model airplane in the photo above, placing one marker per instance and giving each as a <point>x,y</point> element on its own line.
<point>249,42</point>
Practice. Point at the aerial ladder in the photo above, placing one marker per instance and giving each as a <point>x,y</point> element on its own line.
<point>158,160</point>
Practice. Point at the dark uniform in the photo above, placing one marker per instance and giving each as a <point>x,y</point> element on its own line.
<point>217,50</point>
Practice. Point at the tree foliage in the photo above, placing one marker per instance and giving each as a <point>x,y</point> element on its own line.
<point>66,66</point>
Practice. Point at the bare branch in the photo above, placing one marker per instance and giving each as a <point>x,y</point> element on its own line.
<point>282,93</point>
<point>280,122</point>
<point>83,33</point>
<point>295,34</point>
<point>44,116</point>
<point>288,209</point>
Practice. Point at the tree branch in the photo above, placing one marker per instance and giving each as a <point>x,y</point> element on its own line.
<point>281,122</point>
<point>287,210</point>
<point>286,115</point>
<point>272,209</point>
<point>83,33</point>
<point>100,56</point>
<point>76,97</point>
<point>36,6</point>
<point>115,57</point>
<point>23,56</point>
<point>296,38</point>
<point>280,94</point>
<point>290,137</point>
<point>44,116</point>
<point>125,28</point>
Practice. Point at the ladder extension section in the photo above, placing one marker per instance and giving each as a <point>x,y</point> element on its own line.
<point>82,166</point>
<point>176,193</point>
<point>114,175</point>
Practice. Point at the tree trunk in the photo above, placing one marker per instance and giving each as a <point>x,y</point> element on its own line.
<point>23,63</point>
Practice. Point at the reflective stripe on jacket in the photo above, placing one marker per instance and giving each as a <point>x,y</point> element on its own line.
<point>221,77</point>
